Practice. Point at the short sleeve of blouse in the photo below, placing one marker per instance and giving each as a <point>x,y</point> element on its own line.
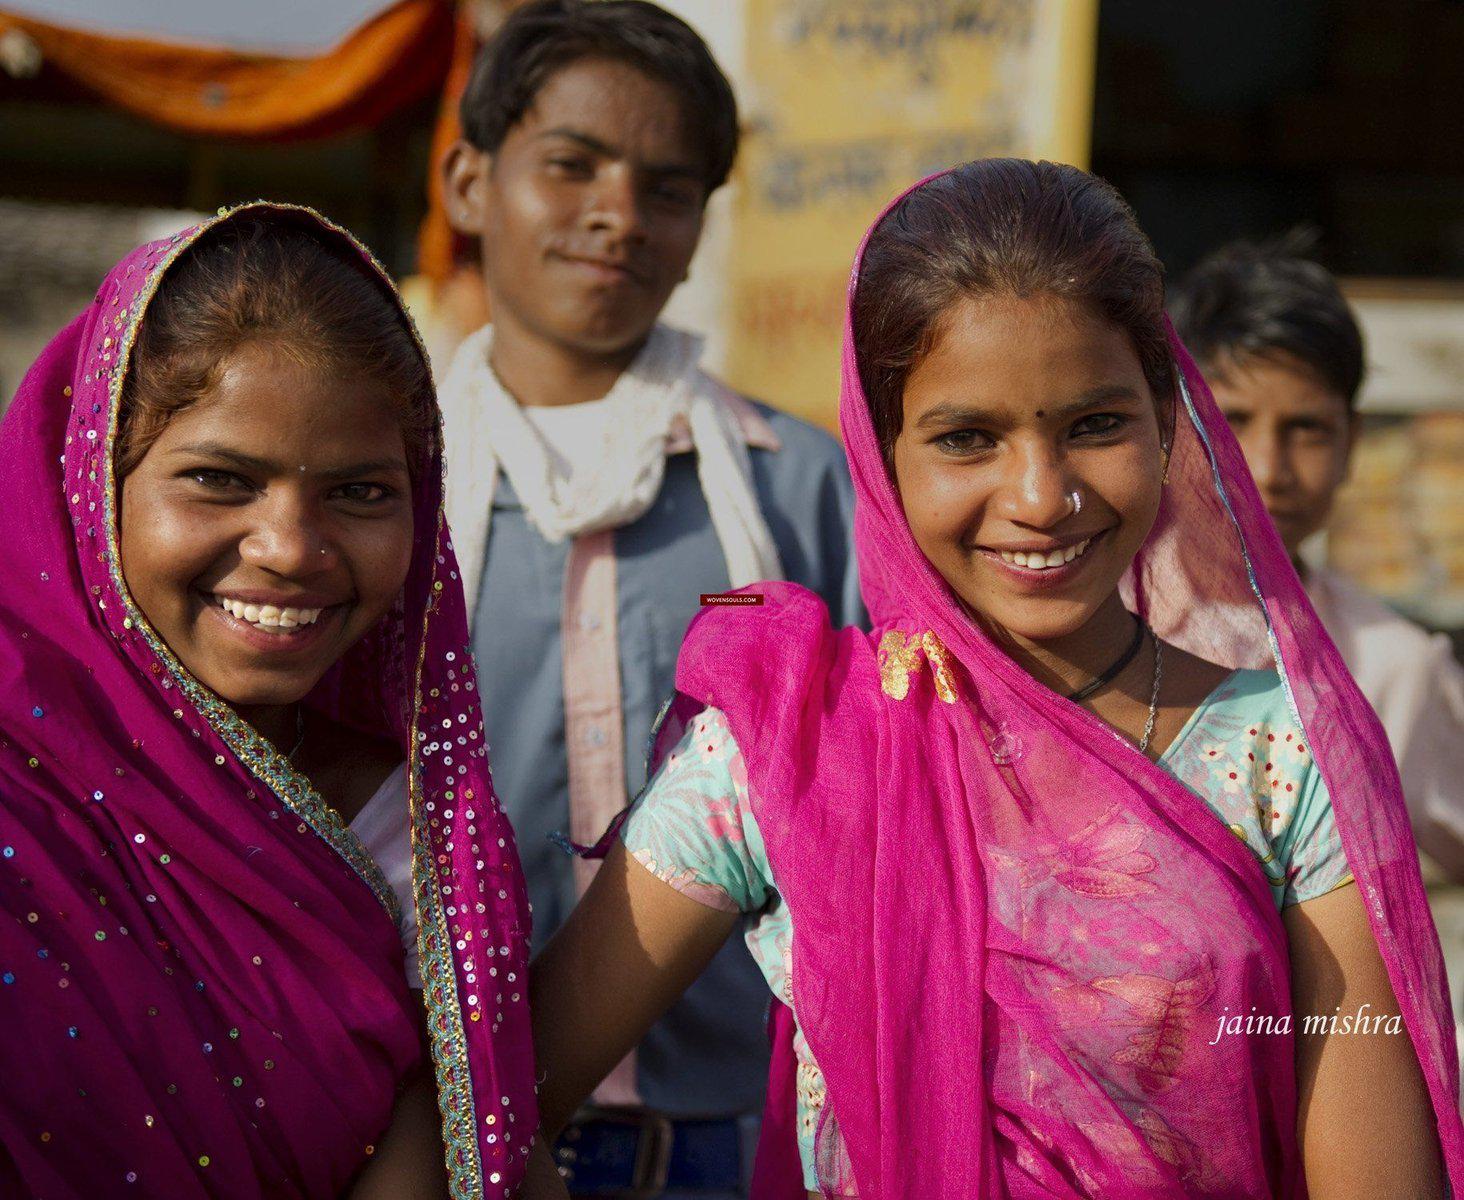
<point>693,827</point>
<point>1244,754</point>
<point>384,827</point>
<point>1310,845</point>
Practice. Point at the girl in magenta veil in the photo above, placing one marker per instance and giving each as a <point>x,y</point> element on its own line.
<point>263,926</point>
<point>1086,873</point>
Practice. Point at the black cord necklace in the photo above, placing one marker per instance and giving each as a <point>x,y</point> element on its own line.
<point>1112,673</point>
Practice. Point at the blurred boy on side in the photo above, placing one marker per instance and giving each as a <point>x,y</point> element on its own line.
<point>1283,352</point>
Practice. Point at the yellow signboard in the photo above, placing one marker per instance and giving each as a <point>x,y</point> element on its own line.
<point>848,101</point>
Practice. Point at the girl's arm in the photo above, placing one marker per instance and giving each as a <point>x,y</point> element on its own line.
<point>1365,1122</point>
<point>409,1164</point>
<point>629,950</point>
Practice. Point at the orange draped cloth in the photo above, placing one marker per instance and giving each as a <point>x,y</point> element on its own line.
<point>397,57</point>
<point>439,249</point>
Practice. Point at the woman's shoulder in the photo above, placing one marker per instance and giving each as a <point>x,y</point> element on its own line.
<point>1259,691</point>
<point>1247,730</point>
<point>693,825</point>
<point>764,637</point>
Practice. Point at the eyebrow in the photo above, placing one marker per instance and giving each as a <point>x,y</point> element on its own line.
<point>595,146</point>
<point>1104,393</point>
<point>218,450</point>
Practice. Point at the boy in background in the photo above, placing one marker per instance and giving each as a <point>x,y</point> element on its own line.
<point>599,483</point>
<point>1283,354</point>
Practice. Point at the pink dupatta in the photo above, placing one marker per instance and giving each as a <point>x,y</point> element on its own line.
<point>1015,935</point>
<point>202,987</point>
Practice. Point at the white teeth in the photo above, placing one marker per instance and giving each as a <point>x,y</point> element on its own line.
<point>269,616</point>
<point>1035,560</point>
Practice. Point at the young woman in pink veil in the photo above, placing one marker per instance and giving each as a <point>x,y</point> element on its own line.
<point>1086,873</point>
<point>264,932</point>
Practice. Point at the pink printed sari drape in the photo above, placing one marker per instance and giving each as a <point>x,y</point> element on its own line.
<point>1016,935</point>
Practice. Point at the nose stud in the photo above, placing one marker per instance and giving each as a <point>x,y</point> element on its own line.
<point>1075,497</point>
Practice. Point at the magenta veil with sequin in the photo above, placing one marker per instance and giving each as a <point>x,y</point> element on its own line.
<point>941,826</point>
<point>203,984</point>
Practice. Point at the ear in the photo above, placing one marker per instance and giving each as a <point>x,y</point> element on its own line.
<point>1166,408</point>
<point>1354,431</point>
<point>464,186</point>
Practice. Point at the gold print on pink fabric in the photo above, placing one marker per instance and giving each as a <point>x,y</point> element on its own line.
<point>899,658</point>
<point>940,665</point>
<point>1163,1012</point>
<point>1102,860</point>
<point>1136,1143</point>
<point>1168,1145</point>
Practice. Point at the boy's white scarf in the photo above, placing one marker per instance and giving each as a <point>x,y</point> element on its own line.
<point>486,431</point>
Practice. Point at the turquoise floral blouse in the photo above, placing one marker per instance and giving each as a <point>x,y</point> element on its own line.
<point>1241,752</point>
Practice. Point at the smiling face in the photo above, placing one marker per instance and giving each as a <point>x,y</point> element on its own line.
<point>1019,403</point>
<point>1297,435</point>
<point>269,526</point>
<point>589,211</point>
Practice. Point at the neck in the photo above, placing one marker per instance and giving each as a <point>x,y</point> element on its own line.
<point>541,373</point>
<point>1067,663</point>
<point>276,723</point>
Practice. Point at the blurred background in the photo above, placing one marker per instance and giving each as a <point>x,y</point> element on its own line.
<point>120,119</point>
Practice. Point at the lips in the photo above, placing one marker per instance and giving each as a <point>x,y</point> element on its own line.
<point>270,616</point>
<point>609,269</point>
<point>1037,560</point>
<point>272,624</point>
<point>1043,567</point>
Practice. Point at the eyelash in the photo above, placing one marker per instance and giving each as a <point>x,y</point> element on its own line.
<point>1114,422</point>
<point>210,478</point>
<point>214,480</point>
<point>383,493</point>
<point>947,442</point>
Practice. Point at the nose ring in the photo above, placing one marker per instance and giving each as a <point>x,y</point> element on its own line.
<point>1076,497</point>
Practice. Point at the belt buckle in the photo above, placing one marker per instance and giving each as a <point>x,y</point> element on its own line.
<point>653,1154</point>
<point>653,1133</point>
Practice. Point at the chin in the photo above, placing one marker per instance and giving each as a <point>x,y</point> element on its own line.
<point>609,331</point>
<point>1038,620</point>
<point>249,693</point>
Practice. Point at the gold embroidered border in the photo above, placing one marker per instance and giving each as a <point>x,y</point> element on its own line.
<point>445,1029</point>
<point>444,1014</point>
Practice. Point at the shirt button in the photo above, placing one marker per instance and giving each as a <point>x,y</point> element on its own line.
<point>589,622</point>
<point>595,735</point>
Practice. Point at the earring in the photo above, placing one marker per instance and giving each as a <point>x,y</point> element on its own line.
<point>1164,450</point>
<point>1075,497</point>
